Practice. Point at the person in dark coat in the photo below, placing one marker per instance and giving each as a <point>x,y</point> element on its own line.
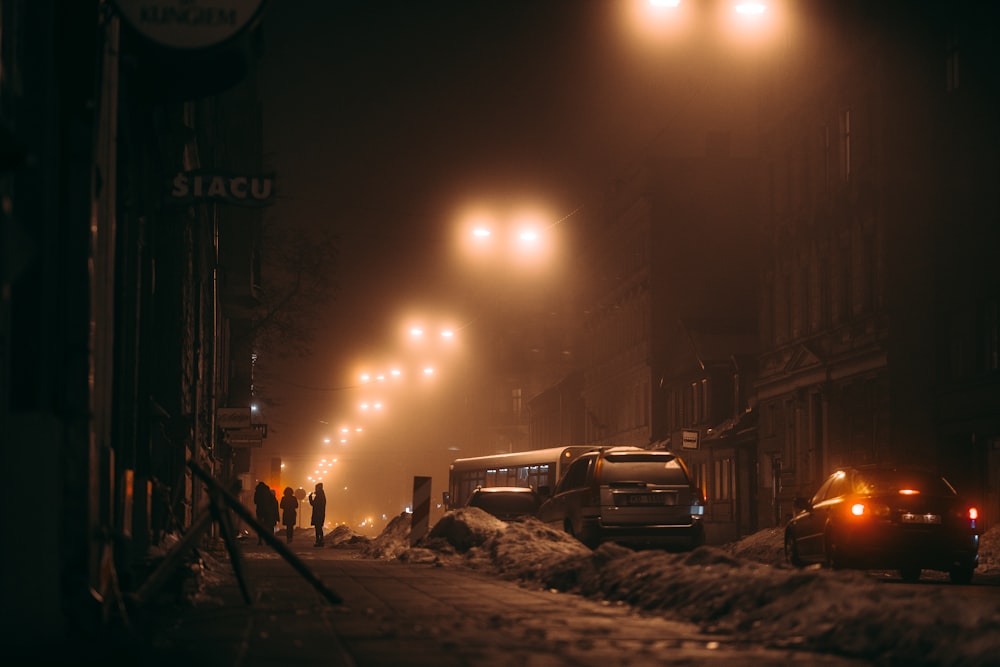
<point>263,499</point>
<point>289,508</point>
<point>318,501</point>
<point>274,512</point>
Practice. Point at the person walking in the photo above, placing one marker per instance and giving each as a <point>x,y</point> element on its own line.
<point>262,499</point>
<point>274,511</point>
<point>318,501</point>
<point>289,509</point>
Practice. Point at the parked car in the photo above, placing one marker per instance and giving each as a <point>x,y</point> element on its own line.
<point>507,503</point>
<point>878,517</point>
<point>628,495</point>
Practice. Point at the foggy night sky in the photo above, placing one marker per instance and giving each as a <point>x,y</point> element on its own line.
<point>381,119</point>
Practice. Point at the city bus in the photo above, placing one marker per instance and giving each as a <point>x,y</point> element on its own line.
<point>539,468</point>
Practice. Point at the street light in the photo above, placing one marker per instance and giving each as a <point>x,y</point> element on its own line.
<point>499,235</point>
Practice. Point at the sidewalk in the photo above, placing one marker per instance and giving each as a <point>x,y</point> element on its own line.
<point>398,614</point>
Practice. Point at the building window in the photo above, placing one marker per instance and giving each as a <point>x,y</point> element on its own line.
<point>845,146</point>
<point>871,273</point>
<point>952,63</point>
<point>695,405</point>
<point>826,161</point>
<point>802,317</point>
<point>844,286</point>
<point>701,478</point>
<point>991,336</point>
<point>790,444</point>
<point>770,419</point>
<point>816,444</point>
<point>703,401</point>
<point>825,282</point>
<point>722,486</point>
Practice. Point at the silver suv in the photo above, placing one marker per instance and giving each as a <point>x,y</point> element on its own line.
<point>628,495</point>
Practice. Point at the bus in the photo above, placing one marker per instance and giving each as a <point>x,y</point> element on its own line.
<point>539,468</point>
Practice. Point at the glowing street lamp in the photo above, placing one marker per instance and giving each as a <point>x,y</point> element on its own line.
<point>750,8</point>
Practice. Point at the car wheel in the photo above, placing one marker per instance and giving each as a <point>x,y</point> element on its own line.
<point>910,574</point>
<point>792,551</point>
<point>961,574</point>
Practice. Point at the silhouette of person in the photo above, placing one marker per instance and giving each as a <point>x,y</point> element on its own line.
<point>274,512</point>
<point>262,499</point>
<point>289,507</point>
<point>318,501</point>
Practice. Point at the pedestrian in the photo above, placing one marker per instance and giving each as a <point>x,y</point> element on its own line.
<point>289,507</point>
<point>274,512</point>
<point>262,498</point>
<point>318,501</point>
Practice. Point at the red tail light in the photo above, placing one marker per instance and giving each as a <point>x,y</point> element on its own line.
<point>973,514</point>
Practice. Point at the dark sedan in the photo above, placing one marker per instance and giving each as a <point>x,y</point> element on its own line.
<point>886,518</point>
<point>507,503</point>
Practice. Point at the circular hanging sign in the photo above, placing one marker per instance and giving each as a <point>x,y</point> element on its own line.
<point>189,24</point>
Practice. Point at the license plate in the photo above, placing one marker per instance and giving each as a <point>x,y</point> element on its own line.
<point>909,517</point>
<point>639,499</point>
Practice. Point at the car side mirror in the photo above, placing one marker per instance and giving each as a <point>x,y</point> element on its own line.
<point>544,491</point>
<point>802,504</point>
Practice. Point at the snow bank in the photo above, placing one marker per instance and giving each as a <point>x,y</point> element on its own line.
<point>743,589</point>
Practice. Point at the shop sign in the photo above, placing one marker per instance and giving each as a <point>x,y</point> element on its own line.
<point>239,189</point>
<point>189,24</point>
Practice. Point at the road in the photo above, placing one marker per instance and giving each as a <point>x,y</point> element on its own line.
<point>396,613</point>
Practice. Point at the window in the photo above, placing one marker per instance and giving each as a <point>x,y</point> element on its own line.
<point>845,146</point>
<point>844,286</point>
<point>826,160</point>
<point>802,316</point>
<point>705,407</point>
<point>871,273</point>
<point>822,492</point>
<point>576,475</point>
<point>991,336</point>
<point>952,64</point>
<point>723,479</point>
<point>825,281</point>
<point>816,414</point>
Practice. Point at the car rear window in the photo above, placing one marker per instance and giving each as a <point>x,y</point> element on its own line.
<point>642,467</point>
<point>505,503</point>
<point>892,481</point>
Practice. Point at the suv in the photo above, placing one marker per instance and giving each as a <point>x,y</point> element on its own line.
<point>629,495</point>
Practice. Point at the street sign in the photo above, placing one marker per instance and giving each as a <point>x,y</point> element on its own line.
<point>689,439</point>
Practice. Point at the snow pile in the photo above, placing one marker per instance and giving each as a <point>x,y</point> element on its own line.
<point>989,551</point>
<point>765,546</point>
<point>343,536</point>
<point>742,589</point>
<point>392,542</point>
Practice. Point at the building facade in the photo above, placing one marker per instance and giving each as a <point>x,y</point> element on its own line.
<point>117,303</point>
<point>874,275</point>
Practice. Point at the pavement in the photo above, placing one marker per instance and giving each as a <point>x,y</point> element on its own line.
<point>385,613</point>
<point>397,613</point>
<point>382,613</point>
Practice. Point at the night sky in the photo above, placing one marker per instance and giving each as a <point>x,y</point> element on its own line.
<point>383,120</point>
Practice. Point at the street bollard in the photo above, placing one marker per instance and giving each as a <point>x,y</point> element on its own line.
<point>420,519</point>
